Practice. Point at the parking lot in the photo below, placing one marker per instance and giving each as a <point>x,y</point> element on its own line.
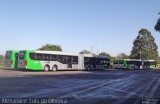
<point>107,87</point>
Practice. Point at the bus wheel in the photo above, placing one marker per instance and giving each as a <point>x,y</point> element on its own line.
<point>54,68</point>
<point>46,68</point>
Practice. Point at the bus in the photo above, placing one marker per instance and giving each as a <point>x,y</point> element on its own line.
<point>118,64</point>
<point>149,64</point>
<point>1,60</point>
<point>134,64</point>
<point>11,59</point>
<point>56,60</point>
<point>95,62</point>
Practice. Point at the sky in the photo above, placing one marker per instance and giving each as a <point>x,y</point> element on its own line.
<point>99,25</point>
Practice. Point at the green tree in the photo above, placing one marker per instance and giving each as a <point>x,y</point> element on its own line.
<point>144,46</point>
<point>105,54</point>
<point>49,47</point>
<point>122,56</point>
<point>157,26</point>
<point>111,58</point>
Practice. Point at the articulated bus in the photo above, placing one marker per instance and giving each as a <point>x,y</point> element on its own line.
<point>11,59</point>
<point>149,64</point>
<point>134,64</point>
<point>56,60</point>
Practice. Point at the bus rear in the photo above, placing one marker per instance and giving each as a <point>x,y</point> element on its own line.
<point>149,64</point>
<point>119,64</point>
<point>11,59</point>
<point>22,62</point>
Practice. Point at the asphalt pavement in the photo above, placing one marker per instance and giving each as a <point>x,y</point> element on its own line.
<point>83,87</point>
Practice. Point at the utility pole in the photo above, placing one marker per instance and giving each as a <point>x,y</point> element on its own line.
<point>140,55</point>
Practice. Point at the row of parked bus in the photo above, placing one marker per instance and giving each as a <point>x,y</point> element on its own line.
<point>134,64</point>
<point>54,60</point>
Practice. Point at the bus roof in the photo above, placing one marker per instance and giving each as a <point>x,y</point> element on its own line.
<point>63,53</point>
<point>149,60</point>
<point>57,52</point>
<point>132,59</point>
<point>12,51</point>
<point>139,60</point>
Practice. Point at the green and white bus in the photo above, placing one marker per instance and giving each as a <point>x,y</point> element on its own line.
<point>11,59</point>
<point>56,60</point>
<point>149,64</point>
<point>134,64</point>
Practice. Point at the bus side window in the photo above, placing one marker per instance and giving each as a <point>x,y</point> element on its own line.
<point>86,60</point>
<point>98,61</point>
<point>53,57</point>
<point>60,58</point>
<point>93,61</point>
<point>38,56</point>
<point>46,57</point>
<point>16,56</point>
<point>121,62</point>
<point>65,59</point>
<point>32,56</point>
<point>75,60</point>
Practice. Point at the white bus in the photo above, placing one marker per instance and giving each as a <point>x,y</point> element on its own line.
<point>56,60</point>
<point>134,64</point>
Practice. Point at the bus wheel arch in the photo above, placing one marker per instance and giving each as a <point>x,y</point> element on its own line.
<point>46,68</point>
<point>55,68</point>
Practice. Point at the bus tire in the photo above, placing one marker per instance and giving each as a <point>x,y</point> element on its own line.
<point>46,68</point>
<point>54,68</point>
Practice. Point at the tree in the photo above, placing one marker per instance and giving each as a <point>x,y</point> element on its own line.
<point>157,26</point>
<point>144,46</point>
<point>49,47</point>
<point>111,58</point>
<point>122,56</point>
<point>104,54</point>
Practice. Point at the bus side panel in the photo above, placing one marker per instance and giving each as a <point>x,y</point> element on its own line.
<point>81,62</point>
<point>126,66</point>
<point>33,64</point>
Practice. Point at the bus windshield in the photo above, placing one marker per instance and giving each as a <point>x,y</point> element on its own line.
<point>8,55</point>
<point>22,55</point>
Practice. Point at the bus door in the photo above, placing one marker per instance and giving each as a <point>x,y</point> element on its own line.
<point>94,61</point>
<point>69,62</point>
